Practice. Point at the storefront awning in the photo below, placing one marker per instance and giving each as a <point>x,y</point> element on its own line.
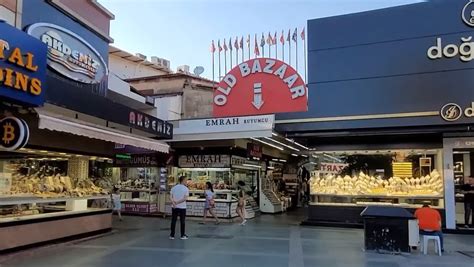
<point>54,122</point>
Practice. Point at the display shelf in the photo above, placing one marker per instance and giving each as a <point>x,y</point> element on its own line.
<point>6,201</point>
<point>381,196</point>
<point>47,215</point>
<point>139,190</point>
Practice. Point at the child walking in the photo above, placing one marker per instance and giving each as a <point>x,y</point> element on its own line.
<point>117,205</point>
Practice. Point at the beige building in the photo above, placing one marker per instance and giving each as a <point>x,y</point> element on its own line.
<point>167,95</point>
<point>185,95</point>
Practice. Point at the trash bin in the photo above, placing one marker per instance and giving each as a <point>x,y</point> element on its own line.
<point>386,229</point>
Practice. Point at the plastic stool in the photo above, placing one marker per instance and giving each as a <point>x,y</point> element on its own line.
<point>426,239</point>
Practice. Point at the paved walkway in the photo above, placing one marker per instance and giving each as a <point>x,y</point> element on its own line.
<point>274,241</point>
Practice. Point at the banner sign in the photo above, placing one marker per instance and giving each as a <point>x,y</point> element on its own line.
<point>225,125</point>
<point>69,54</point>
<point>332,167</point>
<point>260,86</point>
<point>22,66</point>
<point>241,162</point>
<point>136,160</point>
<point>14,133</point>
<point>150,124</point>
<point>204,161</point>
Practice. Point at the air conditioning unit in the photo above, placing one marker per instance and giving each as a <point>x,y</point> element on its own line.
<point>166,63</point>
<point>183,68</point>
<point>143,57</point>
<point>155,60</point>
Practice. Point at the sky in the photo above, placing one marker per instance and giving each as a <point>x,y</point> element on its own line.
<point>182,30</point>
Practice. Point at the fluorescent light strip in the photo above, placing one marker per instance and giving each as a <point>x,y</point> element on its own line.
<point>268,144</point>
<point>274,134</point>
<point>296,143</point>
<point>294,155</point>
<point>251,165</point>
<point>331,157</point>
<point>304,156</point>
<point>280,143</point>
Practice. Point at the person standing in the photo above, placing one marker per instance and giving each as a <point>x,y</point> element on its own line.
<point>117,204</point>
<point>429,221</point>
<point>210,204</point>
<point>241,204</point>
<point>179,195</point>
<point>468,190</point>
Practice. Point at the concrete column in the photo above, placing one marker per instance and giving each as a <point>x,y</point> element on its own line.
<point>449,194</point>
<point>467,164</point>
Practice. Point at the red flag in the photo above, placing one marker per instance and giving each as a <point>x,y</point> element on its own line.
<point>241,45</point>
<point>236,43</point>
<point>274,41</point>
<point>225,46</point>
<point>303,35</point>
<point>282,38</point>
<point>213,47</point>
<point>256,51</point>
<point>219,45</point>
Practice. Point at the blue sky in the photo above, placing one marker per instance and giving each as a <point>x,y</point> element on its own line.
<point>181,30</point>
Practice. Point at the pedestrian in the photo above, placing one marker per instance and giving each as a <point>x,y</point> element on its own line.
<point>116,203</point>
<point>429,221</point>
<point>468,190</point>
<point>241,204</point>
<point>179,195</point>
<point>210,203</point>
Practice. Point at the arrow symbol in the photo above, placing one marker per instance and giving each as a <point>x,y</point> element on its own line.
<point>257,95</point>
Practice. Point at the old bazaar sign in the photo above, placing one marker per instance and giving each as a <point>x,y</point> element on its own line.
<point>22,67</point>
<point>332,167</point>
<point>260,86</point>
<point>69,54</point>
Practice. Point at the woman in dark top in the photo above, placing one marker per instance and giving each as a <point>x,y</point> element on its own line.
<point>468,190</point>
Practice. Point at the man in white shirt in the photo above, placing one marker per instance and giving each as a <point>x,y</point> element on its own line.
<point>179,195</point>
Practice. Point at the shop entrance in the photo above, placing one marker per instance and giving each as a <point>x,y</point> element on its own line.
<point>459,182</point>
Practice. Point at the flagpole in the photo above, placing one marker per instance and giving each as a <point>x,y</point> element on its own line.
<point>305,68</point>
<point>213,66</point>
<point>276,50</point>
<point>219,56</point>
<point>237,56</point>
<point>296,50</point>
<point>225,58</point>
<point>289,51</point>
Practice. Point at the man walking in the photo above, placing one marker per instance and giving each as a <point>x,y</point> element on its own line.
<point>178,197</point>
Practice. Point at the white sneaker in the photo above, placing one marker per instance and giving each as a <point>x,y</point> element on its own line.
<point>171,237</point>
<point>244,222</point>
<point>184,237</point>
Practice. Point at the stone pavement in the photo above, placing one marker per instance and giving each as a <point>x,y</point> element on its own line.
<point>270,240</point>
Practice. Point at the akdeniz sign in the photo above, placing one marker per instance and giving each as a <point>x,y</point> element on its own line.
<point>69,54</point>
<point>260,86</point>
<point>22,67</point>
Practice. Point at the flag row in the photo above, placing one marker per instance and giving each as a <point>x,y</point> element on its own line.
<point>269,40</point>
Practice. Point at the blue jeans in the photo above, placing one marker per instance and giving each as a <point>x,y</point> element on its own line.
<point>435,233</point>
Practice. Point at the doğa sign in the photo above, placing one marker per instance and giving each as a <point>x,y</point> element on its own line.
<point>260,86</point>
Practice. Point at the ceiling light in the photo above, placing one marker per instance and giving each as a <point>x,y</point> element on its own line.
<point>296,143</point>
<point>282,160</point>
<point>294,155</point>
<point>274,134</point>
<point>44,151</point>
<point>304,156</point>
<point>268,144</point>
<point>251,165</point>
<point>280,143</point>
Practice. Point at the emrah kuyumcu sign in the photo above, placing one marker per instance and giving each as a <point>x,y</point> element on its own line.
<point>260,86</point>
